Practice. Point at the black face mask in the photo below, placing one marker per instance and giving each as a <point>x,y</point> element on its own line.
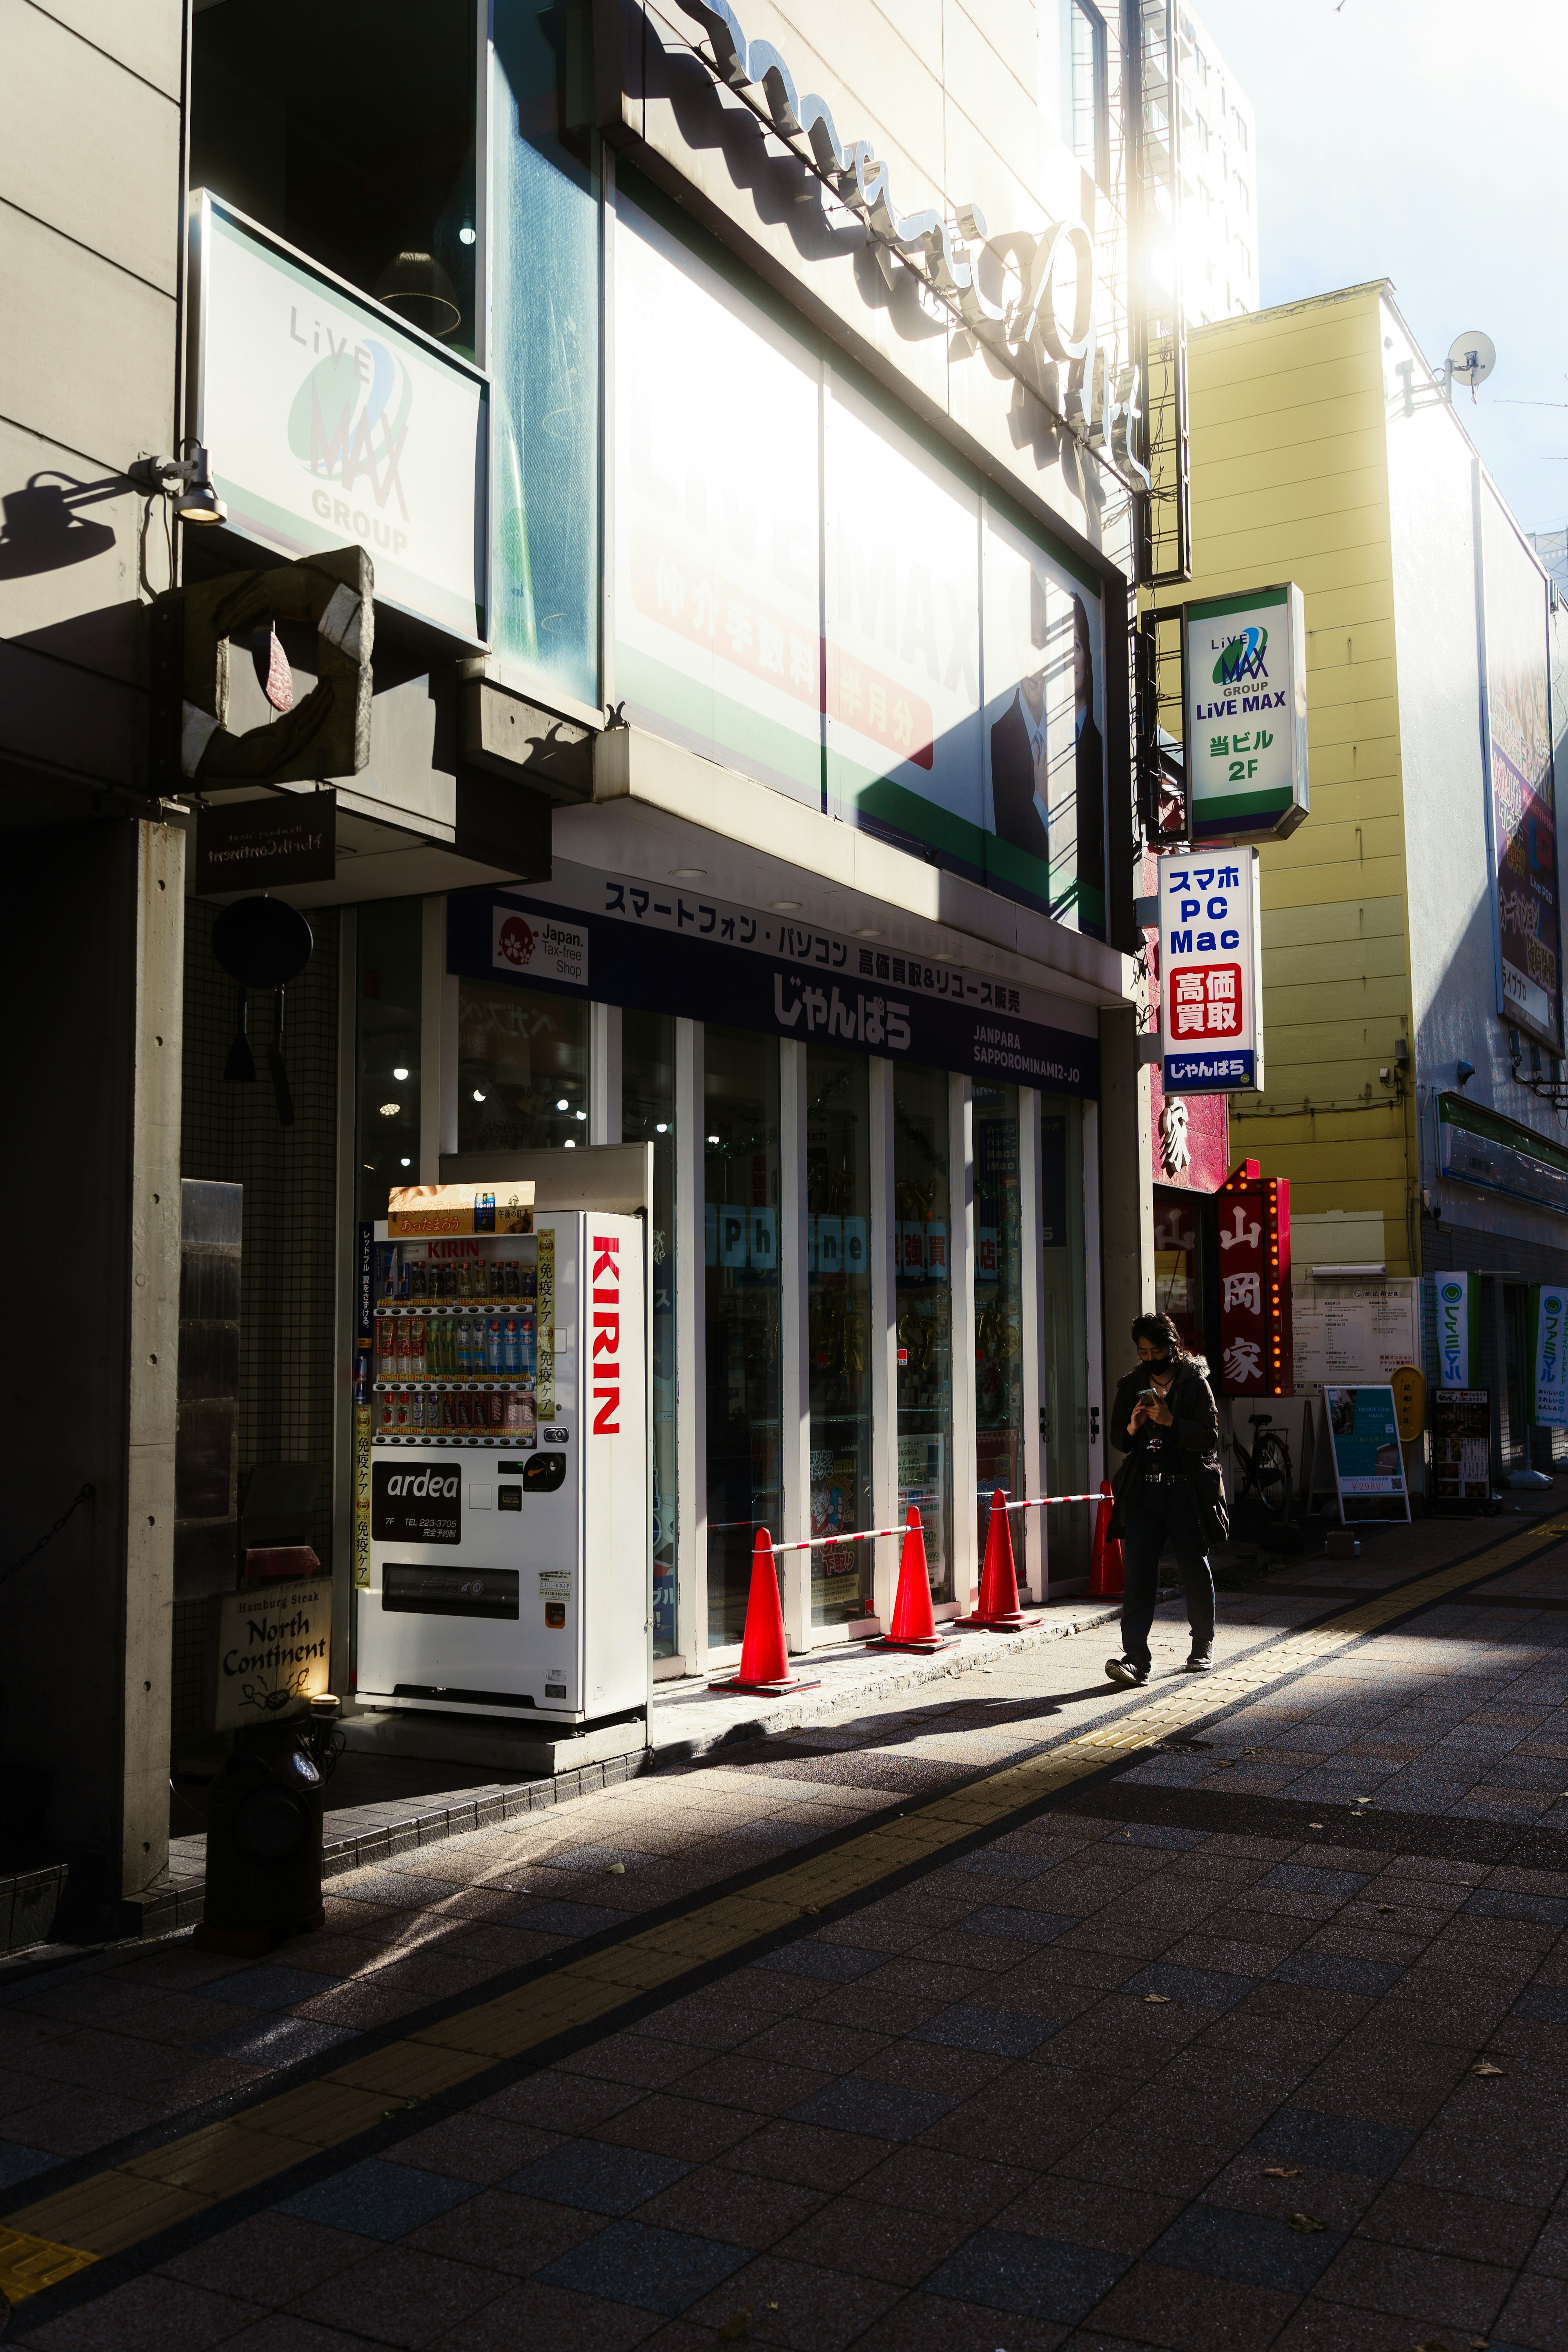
<point>1160,1364</point>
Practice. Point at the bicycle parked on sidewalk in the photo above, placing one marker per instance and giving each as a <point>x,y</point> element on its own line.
<point>1266,1470</point>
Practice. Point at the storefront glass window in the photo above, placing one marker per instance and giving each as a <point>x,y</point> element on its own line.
<point>389,935</point>
<point>838,1323</point>
<point>741,1283</point>
<point>1064,1338</point>
<point>998,1299</point>
<point>522,1069</point>
<point>923,1311</point>
<point>380,190</point>
<point>545,360</point>
<point>647,1115</point>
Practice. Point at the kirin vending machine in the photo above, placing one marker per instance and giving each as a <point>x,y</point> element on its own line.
<point>508,1512</point>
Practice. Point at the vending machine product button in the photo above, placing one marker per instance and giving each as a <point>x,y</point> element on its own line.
<point>479,1497</point>
<point>508,1498</point>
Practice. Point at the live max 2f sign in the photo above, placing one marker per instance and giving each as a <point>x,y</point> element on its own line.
<point>1211,993</point>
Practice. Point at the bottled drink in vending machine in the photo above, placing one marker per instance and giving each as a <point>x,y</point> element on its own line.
<point>387,1418</point>
<point>528,1354</point>
<point>404,1326</point>
<point>512,1347</point>
<point>386,1346</point>
<point>417,1370</point>
<point>495,1346</point>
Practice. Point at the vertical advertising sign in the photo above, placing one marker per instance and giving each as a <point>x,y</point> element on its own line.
<point>1523,809</point>
<point>1454,1304</point>
<point>1256,1341</point>
<point>1210,970</point>
<point>1548,1314</point>
<point>1244,696</point>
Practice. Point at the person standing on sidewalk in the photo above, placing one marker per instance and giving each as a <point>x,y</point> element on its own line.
<point>1168,1491</point>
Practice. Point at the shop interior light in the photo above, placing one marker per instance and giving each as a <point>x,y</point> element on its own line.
<point>416,284</point>
<point>562,1104</point>
<point>712,1139</point>
<point>582,1114</point>
<point>400,1074</point>
<point>390,1110</point>
<point>479,1094</point>
<point>570,1144</point>
<point>405,1163</point>
<point>661,1127</point>
<point>466,234</point>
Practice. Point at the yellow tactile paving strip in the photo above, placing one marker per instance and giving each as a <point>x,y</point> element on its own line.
<point>129,2202</point>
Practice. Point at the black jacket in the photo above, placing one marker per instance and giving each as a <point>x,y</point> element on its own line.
<point>1196,1432</point>
<point>1013,785</point>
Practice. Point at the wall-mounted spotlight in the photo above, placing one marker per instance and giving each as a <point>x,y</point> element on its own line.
<point>1464,1072</point>
<point>187,481</point>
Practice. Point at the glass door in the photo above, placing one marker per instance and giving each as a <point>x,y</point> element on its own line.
<point>998,1299</point>
<point>923,1311</point>
<point>838,1323</point>
<point>740,1284</point>
<point>1064,1338</point>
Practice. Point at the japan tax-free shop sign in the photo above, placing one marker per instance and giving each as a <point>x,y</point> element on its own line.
<point>329,422</point>
<point>1211,991</point>
<point>1244,694</point>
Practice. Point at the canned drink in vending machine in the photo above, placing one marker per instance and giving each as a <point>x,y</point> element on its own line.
<point>400,1412</point>
<point>387,1416</point>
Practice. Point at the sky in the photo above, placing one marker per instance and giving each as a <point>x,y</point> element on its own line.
<point>1423,141</point>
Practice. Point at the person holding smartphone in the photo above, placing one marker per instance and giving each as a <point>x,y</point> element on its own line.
<point>1168,1491</point>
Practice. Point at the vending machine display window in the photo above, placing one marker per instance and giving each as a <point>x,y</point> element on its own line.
<point>741,1283</point>
<point>507,1567</point>
<point>924,1311</point>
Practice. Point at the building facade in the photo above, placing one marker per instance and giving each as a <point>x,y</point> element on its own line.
<point>1412,931</point>
<point>683,473</point>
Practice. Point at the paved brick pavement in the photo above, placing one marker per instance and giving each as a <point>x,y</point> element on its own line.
<point>1188,2058</point>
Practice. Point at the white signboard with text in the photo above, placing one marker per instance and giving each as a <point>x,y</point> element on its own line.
<point>328,422</point>
<point>1244,691</point>
<point>1211,995</point>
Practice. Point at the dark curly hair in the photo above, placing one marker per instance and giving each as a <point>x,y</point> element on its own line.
<point>1160,1332</point>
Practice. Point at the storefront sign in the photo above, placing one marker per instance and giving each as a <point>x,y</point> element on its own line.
<point>1257,1339</point>
<point>1409,1386</point>
<point>1456,1302</point>
<point>544,951</point>
<point>1364,1431</point>
<point>1523,802</point>
<point>1347,1331</point>
<point>271,1653</point>
<point>1211,975</point>
<point>262,845</point>
<point>1244,688</point>
<point>1548,1314</point>
<point>330,420</point>
<point>417,1502</point>
<point>671,950</point>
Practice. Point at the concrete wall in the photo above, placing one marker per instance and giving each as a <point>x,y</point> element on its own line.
<point>1290,482</point>
<point>90,197</point>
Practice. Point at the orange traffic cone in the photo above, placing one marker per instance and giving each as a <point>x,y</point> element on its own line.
<point>764,1658</point>
<point>998,1611</point>
<point>1105,1560</point>
<point>914,1625</point>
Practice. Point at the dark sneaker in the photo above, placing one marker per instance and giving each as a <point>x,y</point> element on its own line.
<point>1201,1663</point>
<point>1122,1670</point>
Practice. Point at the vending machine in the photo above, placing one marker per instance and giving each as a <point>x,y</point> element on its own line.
<point>509,1540</point>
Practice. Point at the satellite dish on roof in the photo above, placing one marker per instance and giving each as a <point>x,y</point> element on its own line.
<point>1471,358</point>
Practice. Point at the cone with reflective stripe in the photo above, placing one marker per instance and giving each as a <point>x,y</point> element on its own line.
<point>1105,1560</point>
<point>764,1655</point>
<point>998,1611</point>
<point>914,1625</point>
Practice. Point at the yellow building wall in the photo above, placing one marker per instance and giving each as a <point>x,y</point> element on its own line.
<point>1289,482</point>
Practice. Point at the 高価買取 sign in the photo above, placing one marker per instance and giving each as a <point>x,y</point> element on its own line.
<point>1210,974</point>
<point>1244,694</point>
<point>328,422</point>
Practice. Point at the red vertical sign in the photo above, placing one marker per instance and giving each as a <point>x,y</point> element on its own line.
<point>1257,1353</point>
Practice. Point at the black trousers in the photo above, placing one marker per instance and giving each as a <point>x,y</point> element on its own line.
<point>1155,1517</point>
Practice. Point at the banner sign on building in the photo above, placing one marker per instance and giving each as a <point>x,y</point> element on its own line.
<point>327,420</point>
<point>1523,805</point>
<point>1456,1357</point>
<point>675,950</point>
<point>1257,1343</point>
<point>1210,970</point>
<point>1548,1314</point>
<point>1244,694</point>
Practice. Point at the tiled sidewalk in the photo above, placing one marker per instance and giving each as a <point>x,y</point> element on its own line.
<point>1071,2089</point>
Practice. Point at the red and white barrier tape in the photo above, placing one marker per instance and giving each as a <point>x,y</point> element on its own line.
<point>872,1535</point>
